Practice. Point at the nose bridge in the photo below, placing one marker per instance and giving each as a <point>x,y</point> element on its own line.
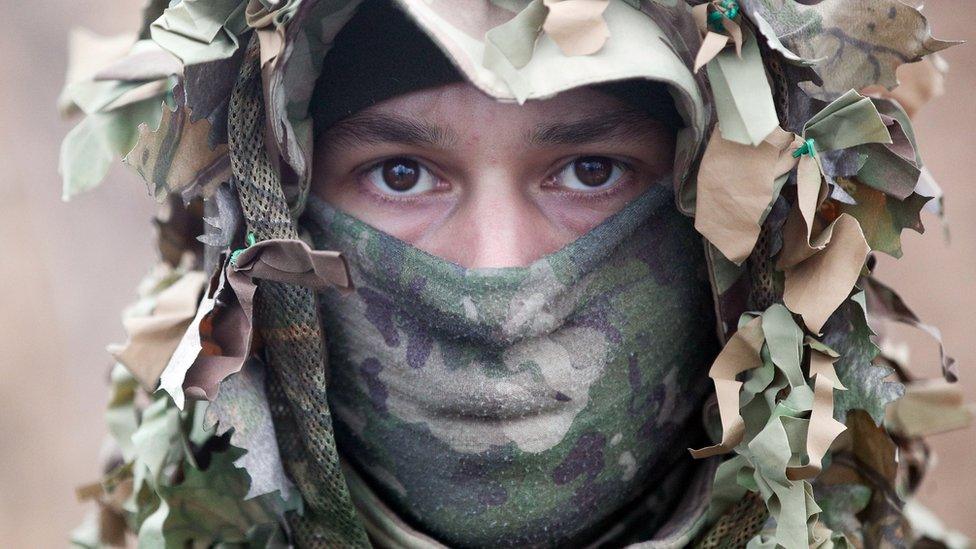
<point>500,222</point>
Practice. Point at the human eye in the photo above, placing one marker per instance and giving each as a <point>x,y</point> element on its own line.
<point>401,176</point>
<point>590,173</point>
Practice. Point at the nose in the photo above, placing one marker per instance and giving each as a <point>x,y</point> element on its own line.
<point>497,224</point>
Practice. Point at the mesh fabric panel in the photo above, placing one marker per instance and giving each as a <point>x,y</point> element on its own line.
<point>737,526</point>
<point>286,319</point>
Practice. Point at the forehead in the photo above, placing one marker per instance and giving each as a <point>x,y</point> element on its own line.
<point>447,116</point>
<point>460,104</point>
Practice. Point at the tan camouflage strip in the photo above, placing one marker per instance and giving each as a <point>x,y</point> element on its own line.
<point>740,354</point>
<point>822,360</point>
<point>816,287</point>
<point>777,330</point>
<point>713,42</point>
<point>271,36</point>
<point>152,338</point>
<point>823,428</point>
<point>736,187</point>
<point>577,26</point>
<point>929,407</point>
<point>197,337</point>
<point>220,338</point>
<point>294,262</point>
<point>821,269</point>
<point>885,303</point>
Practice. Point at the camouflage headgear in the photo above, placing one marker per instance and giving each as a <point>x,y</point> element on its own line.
<point>401,59</point>
<point>797,162</point>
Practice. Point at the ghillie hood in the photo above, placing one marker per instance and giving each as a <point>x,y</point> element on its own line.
<point>796,160</point>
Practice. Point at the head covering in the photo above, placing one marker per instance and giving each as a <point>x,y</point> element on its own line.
<point>378,55</point>
<point>381,54</point>
<point>793,177</point>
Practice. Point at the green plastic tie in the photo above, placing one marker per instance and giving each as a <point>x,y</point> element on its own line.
<point>249,239</point>
<point>725,9</point>
<point>715,21</point>
<point>808,147</point>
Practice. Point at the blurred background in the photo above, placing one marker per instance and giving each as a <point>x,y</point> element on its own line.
<point>67,270</point>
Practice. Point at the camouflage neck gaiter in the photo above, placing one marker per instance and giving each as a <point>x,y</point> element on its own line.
<point>520,406</point>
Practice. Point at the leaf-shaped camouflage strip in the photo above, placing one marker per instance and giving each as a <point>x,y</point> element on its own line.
<point>198,31</point>
<point>209,507</point>
<point>848,333</point>
<point>577,26</point>
<point>885,303</point>
<point>177,157</point>
<point>883,217</point>
<point>242,409</point>
<point>840,504</point>
<point>861,43</point>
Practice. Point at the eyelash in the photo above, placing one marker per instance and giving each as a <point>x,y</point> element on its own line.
<point>367,187</point>
<point>625,178</point>
<point>622,181</point>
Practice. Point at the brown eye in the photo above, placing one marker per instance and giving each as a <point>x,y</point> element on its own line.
<point>593,171</point>
<point>401,174</point>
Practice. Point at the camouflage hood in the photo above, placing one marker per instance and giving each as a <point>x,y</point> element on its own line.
<point>796,161</point>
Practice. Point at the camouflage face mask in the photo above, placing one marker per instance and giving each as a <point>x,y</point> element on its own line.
<point>520,406</point>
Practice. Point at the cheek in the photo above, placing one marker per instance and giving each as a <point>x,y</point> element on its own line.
<point>577,216</point>
<point>408,222</point>
<point>577,219</point>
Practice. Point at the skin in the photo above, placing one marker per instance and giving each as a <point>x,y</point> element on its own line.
<point>493,184</point>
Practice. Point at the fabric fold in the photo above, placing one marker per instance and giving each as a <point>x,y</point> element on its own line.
<point>293,262</point>
<point>221,337</point>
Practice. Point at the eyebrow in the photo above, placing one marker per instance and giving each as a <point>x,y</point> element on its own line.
<point>371,129</point>
<point>623,123</point>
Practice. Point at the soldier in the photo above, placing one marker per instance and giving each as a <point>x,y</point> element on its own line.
<point>479,274</point>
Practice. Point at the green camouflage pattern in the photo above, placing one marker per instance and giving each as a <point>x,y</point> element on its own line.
<point>520,406</point>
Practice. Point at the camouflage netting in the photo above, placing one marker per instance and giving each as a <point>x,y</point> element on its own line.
<point>798,164</point>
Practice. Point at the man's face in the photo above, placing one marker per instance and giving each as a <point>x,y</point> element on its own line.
<point>488,184</point>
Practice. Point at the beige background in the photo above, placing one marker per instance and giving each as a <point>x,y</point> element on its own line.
<point>66,270</point>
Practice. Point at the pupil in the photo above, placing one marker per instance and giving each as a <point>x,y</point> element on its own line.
<point>593,171</point>
<point>401,174</point>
